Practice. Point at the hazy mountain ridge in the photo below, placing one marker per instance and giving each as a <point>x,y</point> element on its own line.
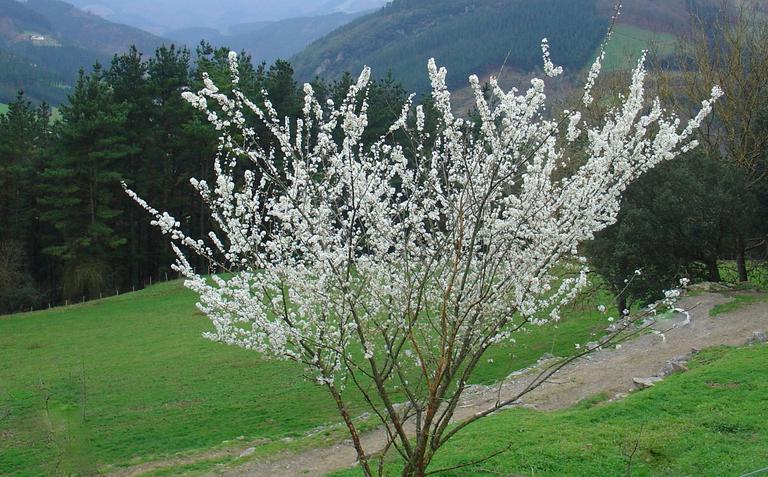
<point>91,32</point>
<point>167,16</point>
<point>267,41</point>
<point>467,36</point>
<point>44,43</point>
<point>474,36</point>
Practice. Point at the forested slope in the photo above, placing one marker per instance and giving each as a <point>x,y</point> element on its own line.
<point>44,43</point>
<point>466,36</point>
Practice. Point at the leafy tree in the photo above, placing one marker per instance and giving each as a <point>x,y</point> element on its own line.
<point>730,48</point>
<point>674,222</point>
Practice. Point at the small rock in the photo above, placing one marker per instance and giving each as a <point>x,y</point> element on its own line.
<point>711,287</point>
<point>758,337</point>
<point>240,438</point>
<point>642,383</point>
<point>593,345</point>
<point>675,365</point>
<point>546,356</point>
<point>679,367</point>
<point>248,452</point>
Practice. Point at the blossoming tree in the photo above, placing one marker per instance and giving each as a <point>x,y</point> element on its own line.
<point>390,268</point>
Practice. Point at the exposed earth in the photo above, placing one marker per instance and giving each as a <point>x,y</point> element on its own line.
<point>613,372</point>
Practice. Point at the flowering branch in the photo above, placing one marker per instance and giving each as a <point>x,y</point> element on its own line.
<point>371,264</point>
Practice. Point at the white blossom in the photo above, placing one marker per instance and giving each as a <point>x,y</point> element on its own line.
<point>549,68</point>
<point>462,231</point>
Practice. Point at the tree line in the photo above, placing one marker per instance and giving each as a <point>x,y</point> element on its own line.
<point>67,229</point>
<point>69,232</point>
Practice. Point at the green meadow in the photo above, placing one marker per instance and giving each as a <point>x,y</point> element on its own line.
<point>710,421</point>
<point>628,42</point>
<point>129,379</point>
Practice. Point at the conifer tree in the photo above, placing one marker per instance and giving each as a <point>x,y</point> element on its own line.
<point>25,134</point>
<point>81,192</point>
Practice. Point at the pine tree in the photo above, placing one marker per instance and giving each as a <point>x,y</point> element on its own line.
<point>25,134</point>
<point>82,193</point>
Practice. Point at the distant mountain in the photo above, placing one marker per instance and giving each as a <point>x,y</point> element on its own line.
<point>478,36</point>
<point>91,32</point>
<point>165,16</point>
<point>466,36</point>
<point>268,41</point>
<point>44,43</point>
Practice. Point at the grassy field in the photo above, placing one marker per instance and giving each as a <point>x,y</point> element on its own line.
<point>129,379</point>
<point>627,44</point>
<point>55,112</point>
<point>710,421</point>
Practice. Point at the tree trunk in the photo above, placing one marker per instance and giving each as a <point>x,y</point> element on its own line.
<point>741,259</point>
<point>713,271</point>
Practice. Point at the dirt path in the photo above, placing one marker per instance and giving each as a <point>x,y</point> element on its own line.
<point>606,371</point>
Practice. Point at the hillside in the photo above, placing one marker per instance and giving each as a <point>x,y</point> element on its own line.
<point>80,29</point>
<point>131,387</point>
<point>130,379</point>
<point>268,41</point>
<point>44,43</point>
<point>474,36</point>
<point>466,36</point>
<point>39,83</point>
<point>169,15</point>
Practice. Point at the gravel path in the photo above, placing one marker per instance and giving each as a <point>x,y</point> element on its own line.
<point>607,371</point>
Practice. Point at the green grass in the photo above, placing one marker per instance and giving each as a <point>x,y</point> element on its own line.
<point>129,379</point>
<point>757,273</point>
<point>152,385</point>
<point>738,302</point>
<point>710,421</point>
<point>55,112</point>
<point>627,44</point>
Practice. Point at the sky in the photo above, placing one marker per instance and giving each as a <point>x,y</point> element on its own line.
<point>160,16</point>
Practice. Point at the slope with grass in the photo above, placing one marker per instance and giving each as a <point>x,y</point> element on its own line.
<point>3,108</point>
<point>129,379</point>
<point>467,37</point>
<point>710,421</point>
<point>607,373</point>
<point>628,42</point>
<point>44,43</point>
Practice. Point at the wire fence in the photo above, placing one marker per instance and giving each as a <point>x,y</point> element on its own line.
<point>86,298</point>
